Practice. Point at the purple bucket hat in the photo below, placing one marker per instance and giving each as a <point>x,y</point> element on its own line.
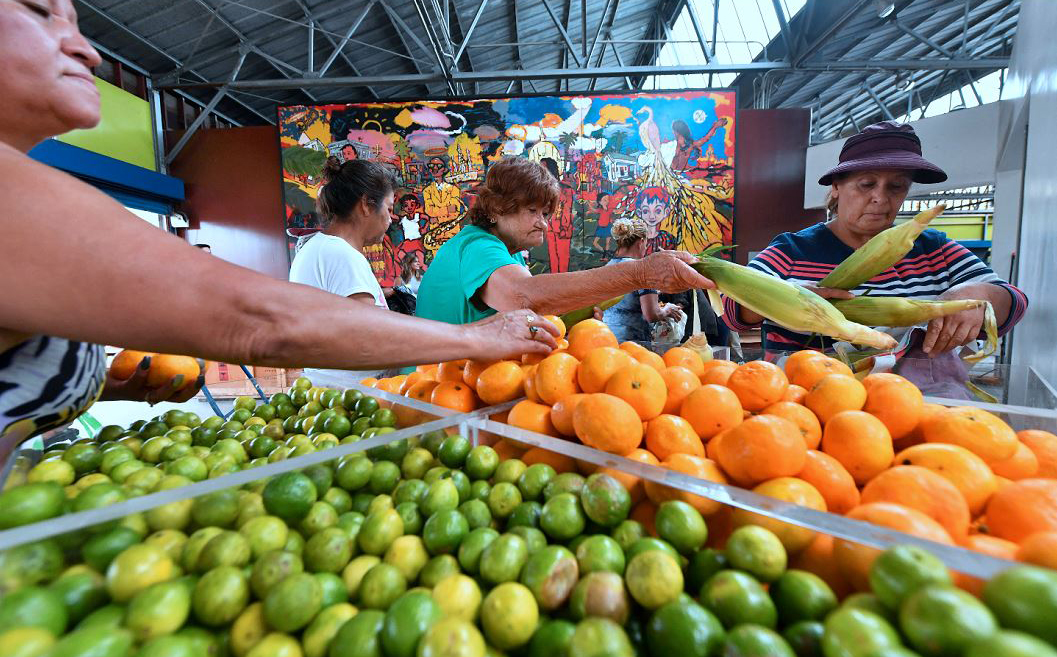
<point>885,145</point>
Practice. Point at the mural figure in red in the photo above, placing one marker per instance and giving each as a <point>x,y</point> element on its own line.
<point>560,224</point>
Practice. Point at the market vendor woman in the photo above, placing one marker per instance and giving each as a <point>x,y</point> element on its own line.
<point>867,188</point>
<point>481,271</point>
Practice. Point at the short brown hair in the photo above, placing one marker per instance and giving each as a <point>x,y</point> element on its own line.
<point>511,184</point>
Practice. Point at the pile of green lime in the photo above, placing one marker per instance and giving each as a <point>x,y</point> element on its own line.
<point>434,547</point>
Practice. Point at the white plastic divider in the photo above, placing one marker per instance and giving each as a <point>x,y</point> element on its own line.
<point>959,559</point>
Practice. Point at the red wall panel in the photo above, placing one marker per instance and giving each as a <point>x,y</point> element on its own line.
<point>770,177</point>
<point>233,196</point>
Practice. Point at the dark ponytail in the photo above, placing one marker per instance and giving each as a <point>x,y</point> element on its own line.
<point>345,184</point>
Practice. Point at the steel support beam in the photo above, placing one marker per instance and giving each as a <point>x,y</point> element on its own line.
<point>340,47</point>
<point>433,38</point>
<point>790,53</point>
<point>311,47</point>
<point>715,32</point>
<point>690,9</point>
<point>469,32</point>
<point>884,108</point>
<point>598,33</point>
<point>561,30</point>
<point>835,27</point>
<point>193,128</point>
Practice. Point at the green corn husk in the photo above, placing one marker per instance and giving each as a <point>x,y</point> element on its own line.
<point>788,304</point>
<point>881,252</point>
<point>897,311</point>
<point>587,312</point>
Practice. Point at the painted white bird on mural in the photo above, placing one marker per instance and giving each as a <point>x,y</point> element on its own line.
<point>648,131</point>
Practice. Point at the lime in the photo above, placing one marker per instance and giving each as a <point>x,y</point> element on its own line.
<point>654,578</point>
<point>122,471</point>
<point>534,479</point>
<point>649,543</point>
<point>361,502</point>
<point>338,425</point>
<point>381,586</point>
<point>220,596</point>
<point>552,638</point>
<point>84,457</point>
<point>526,514</point>
<point>805,638</point>
<point>228,548</point>
<point>681,525</point>
<point>248,403</point>
<point>437,569</point>
<point>462,484</point>
<point>476,513</point>
<point>1023,598</point>
<point>503,499</point>
<point>339,499</point>
<point>534,539</point>
<point>799,595</point>
<point>452,637</point>
<point>600,553</point>
<point>108,616</point>
<point>174,451</point>
<point>871,603</point>
<point>112,457</point>
<point>33,606</point>
<point>158,610</point>
<point>320,516</point>
<point>473,546</point>
<point>384,477</point>
<point>441,495</point>
<point>272,568</point>
<point>600,637</point>
<point>334,591</point>
<point>409,556</point>
<point>194,546</point>
<point>101,549</point>
<point>856,632</point>
<point>81,593</point>
<point>566,482</point>
<point>459,596</point>
<point>264,534</point>
<point>406,621</point>
<point>684,628</point>
<point>412,518</point>
<point>289,496</point>
<point>899,571</point>
<point>503,559</point>
<point>56,471</point>
<point>605,500</point>
<point>480,489</point>
<point>703,565</point>
<point>359,636</point>
<point>939,619</point>
<point>379,530</point>
<point>751,640</point>
<point>188,466</point>
<point>562,517</point>
<point>169,646</point>
<point>26,642</point>
<point>328,551</point>
<point>1009,643</point>
<point>736,598</point>
<point>322,630</point>
<point>481,462</point>
<point>248,629</point>
<point>366,406</point>
<point>95,496</point>
<point>354,572</point>
<point>203,436</point>
<point>104,641</point>
<point>436,473</point>
<point>416,463</point>
<point>509,615</point>
<point>627,532</point>
<point>410,490</point>
<point>353,472</point>
<point>136,568</point>
<point>219,509</point>
<point>292,603</point>
<point>600,594</point>
<point>444,531</point>
<point>757,551</point>
<point>551,574</point>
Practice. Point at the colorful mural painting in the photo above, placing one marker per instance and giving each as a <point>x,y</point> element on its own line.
<point>668,158</point>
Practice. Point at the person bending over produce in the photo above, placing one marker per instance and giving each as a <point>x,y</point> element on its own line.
<point>68,290</point>
<point>481,270</point>
<point>630,319</point>
<point>867,188</point>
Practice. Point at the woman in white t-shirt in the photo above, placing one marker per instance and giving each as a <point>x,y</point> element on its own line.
<point>354,202</point>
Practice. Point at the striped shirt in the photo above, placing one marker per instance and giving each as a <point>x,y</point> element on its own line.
<point>933,266</point>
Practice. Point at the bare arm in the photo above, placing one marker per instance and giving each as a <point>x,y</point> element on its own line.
<point>512,286</point>
<point>88,270</point>
<point>651,307</point>
<point>946,333</point>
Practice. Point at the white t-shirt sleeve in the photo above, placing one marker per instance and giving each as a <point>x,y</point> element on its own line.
<point>331,264</point>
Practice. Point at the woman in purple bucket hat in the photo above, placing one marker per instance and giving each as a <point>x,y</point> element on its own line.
<point>866,189</point>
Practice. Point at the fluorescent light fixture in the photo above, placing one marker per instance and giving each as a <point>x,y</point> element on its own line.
<point>885,9</point>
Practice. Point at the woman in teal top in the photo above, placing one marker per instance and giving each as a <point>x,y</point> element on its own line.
<point>481,271</point>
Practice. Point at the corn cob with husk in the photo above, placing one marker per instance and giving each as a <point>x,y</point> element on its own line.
<point>881,252</point>
<point>698,343</point>
<point>587,312</point>
<point>785,303</point>
<point>897,311</point>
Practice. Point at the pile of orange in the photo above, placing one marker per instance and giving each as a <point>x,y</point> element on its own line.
<point>163,367</point>
<point>809,433</point>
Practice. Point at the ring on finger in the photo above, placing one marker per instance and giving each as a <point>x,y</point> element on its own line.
<point>533,330</point>
<point>529,319</point>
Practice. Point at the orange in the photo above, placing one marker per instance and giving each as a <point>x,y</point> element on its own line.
<point>967,471</point>
<point>632,348</point>
<point>392,384</point>
<point>1023,508</point>
<point>472,370</point>
<point>694,466</point>
<point>411,380</point>
<point>560,462</point>
<point>370,382</point>
<point>562,414</point>
<point>451,370</point>
<point>834,393</point>
<point>818,558</point>
<point>508,449</point>
<point>501,382</point>
<point>975,429</point>
<point>794,393</point>
<point>530,383</point>
<point>421,391</point>
<point>642,387</point>
<point>684,357</point>
<point>812,370</point>
<point>428,369</point>
<point>760,448</point>
<point>758,384</point>
<point>607,423</point>
<point>1021,465</point>
<point>671,434</point>
<point>792,364</point>
<point>787,489</point>
<point>804,419</point>
<point>718,371</point>
<point>633,484</point>
<point>598,366</point>
<point>588,334</point>
<point>711,409</point>
<point>531,416</point>
<point>832,480</point>
<point>860,442</point>
<point>1040,549</point>
<point>991,545</point>
<point>895,401</point>
<point>556,377</point>
<point>645,513</point>
<point>916,436</point>
<point>125,363</point>
<point>919,488</point>
<point>532,359</point>
<point>1044,445</point>
<point>558,324</point>
<point>455,395</point>
<point>679,382</point>
<point>164,367</point>
<point>854,559</point>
